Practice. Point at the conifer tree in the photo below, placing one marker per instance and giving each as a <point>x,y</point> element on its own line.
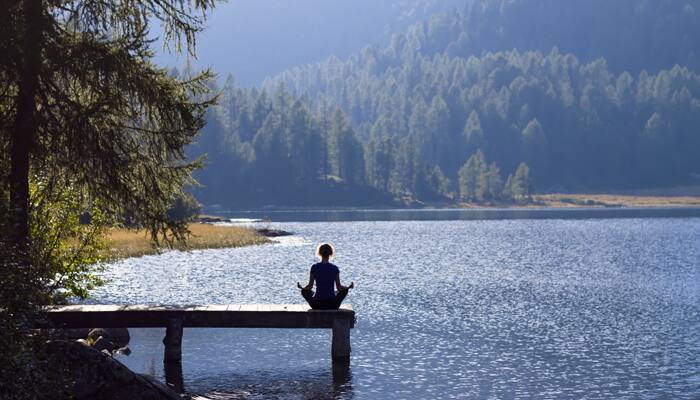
<point>473,134</point>
<point>521,184</point>
<point>471,184</point>
<point>90,104</point>
<point>507,192</point>
<point>494,182</point>
<point>87,123</point>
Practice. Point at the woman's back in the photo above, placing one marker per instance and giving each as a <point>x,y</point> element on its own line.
<point>324,273</point>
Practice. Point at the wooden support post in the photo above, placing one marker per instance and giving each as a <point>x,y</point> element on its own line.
<point>340,348</point>
<point>173,340</point>
<point>173,376</point>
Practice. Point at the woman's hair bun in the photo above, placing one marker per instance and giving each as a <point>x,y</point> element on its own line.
<point>325,250</point>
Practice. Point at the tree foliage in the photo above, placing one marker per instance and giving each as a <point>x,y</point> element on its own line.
<point>520,184</point>
<point>88,127</point>
<point>108,126</point>
<point>268,146</point>
<point>480,182</point>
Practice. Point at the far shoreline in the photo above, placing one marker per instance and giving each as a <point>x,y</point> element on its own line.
<point>538,201</point>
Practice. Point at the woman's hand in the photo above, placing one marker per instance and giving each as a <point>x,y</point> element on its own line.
<point>352,285</point>
<point>309,285</point>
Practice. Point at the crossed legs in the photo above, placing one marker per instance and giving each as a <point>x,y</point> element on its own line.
<point>327,304</point>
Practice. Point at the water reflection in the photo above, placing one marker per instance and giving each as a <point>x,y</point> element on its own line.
<point>173,376</point>
<point>332,384</point>
<point>458,309</point>
<point>342,380</point>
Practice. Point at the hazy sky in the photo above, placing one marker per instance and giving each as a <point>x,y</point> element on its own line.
<point>256,38</point>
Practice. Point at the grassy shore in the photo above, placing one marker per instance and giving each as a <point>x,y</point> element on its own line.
<point>558,200</point>
<point>613,200</point>
<point>123,243</point>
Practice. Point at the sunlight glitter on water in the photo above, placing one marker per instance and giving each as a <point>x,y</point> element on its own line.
<point>291,241</point>
<point>448,309</point>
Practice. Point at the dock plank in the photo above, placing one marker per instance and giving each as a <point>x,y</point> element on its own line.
<point>287,307</point>
<point>176,317</point>
<point>217,307</point>
<point>196,316</point>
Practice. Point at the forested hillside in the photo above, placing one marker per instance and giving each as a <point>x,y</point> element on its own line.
<point>568,88</point>
<point>270,148</point>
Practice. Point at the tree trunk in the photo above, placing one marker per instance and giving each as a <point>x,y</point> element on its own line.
<point>24,127</point>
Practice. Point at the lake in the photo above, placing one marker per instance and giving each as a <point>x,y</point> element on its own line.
<point>604,306</point>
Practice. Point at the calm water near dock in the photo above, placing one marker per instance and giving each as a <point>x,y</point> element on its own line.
<point>559,307</point>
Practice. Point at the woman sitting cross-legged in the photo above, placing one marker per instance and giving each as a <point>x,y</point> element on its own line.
<point>325,275</point>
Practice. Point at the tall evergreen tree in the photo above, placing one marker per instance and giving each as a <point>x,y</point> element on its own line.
<point>346,151</point>
<point>521,184</point>
<point>432,184</point>
<point>472,186</point>
<point>88,123</point>
<point>534,145</point>
<point>473,134</point>
<point>494,182</point>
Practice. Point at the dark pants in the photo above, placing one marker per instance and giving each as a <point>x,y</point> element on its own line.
<point>327,304</point>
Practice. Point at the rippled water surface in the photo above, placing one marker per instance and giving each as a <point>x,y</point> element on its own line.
<point>605,308</point>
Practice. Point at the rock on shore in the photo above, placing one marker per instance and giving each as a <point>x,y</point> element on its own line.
<point>267,232</point>
<point>93,374</point>
<point>118,336</point>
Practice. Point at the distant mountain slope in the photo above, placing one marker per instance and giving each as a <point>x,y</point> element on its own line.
<point>630,35</point>
<point>578,127</point>
<point>587,95</point>
<point>443,111</point>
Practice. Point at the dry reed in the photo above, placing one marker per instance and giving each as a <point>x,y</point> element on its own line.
<point>575,200</point>
<point>124,243</point>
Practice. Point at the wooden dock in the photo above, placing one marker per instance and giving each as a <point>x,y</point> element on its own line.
<point>175,318</point>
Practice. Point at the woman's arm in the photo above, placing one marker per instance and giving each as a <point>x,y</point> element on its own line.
<point>341,287</point>
<point>308,285</point>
